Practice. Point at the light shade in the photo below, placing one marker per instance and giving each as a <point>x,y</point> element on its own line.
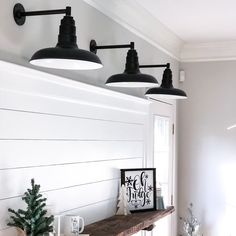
<point>66,58</point>
<point>132,77</point>
<point>166,90</point>
<point>66,54</point>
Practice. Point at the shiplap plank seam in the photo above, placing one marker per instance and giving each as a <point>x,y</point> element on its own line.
<point>72,140</point>
<point>69,116</point>
<point>17,125</point>
<point>71,163</point>
<point>76,208</point>
<point>61,176</point>
<point>83,102</point>
<point>66,187</point>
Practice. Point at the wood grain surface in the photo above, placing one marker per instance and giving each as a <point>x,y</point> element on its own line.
<point>126,225</point>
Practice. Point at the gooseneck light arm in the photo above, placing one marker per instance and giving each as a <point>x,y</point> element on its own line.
<point>94,47</point>
<point>20,14</point>
<point>167,65</point>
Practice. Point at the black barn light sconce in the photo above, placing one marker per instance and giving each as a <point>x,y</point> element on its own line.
<point>166,90</point>
<point>131,77</point>
<point>66,54</point>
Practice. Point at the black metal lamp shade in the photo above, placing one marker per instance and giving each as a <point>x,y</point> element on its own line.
<point>166,90</point>
<point>131,80</point>
<point>163,93</point>
<point>132,77</point>
<point>66,55</point>
<point>66,58</point>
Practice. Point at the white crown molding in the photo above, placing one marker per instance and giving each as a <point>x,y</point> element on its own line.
<point>142,24</point>
<point>215,51</point>
<point>131,15</point>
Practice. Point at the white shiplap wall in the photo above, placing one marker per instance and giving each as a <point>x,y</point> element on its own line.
<point>71,137</point>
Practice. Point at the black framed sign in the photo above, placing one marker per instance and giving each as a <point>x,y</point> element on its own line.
<point>140,188</point>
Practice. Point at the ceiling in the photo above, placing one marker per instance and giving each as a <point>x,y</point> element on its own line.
<point>200,30</point>
<point>199,21</point>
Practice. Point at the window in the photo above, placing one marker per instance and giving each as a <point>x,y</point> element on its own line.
<point>163,160</point>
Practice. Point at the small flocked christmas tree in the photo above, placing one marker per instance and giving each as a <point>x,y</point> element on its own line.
<point>33,221</point>
<point>123,208</point>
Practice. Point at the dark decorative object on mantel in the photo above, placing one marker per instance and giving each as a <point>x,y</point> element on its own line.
<point>140,188</point>
<point>33,221</point>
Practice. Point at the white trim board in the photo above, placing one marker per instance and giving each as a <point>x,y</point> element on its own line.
<point>125,14</point>
<point>31,74</point>
<point>128,15</point>
<point>214,51</point>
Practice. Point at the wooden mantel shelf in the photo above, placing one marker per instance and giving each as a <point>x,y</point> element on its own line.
<point>126,225</point>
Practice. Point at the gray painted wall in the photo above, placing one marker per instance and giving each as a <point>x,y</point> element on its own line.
<point>17,44</point>
<point>207,149</point>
